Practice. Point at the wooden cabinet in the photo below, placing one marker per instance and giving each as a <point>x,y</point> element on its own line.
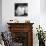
<point>22,33</point>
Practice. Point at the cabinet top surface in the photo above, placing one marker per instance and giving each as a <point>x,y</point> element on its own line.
<point>19,23</point>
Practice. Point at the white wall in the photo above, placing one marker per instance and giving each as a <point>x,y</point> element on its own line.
<point>43,6</point>
<point>0,15</point>
<point>35,14</point>
<point>8,11</point>
<point>43,14</point>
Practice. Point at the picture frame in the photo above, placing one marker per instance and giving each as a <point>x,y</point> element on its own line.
<point>21,9</point>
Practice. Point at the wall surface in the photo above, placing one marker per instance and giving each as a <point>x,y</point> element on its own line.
<point>35,15</point>
<point>8,11</point>
<point>43,14</point>
<point>0,15</point>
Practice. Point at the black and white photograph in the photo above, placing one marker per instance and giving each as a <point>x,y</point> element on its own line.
<point>21,9</point>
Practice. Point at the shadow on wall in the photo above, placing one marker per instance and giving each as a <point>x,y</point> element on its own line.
<point>43,6</point>
<point>0,15</point>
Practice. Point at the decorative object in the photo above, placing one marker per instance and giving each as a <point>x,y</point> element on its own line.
<point>45,35</point>
<point>13,21</point>
<point>1,40</point>
<point>17,21</point>
<point>41,36</point>
<point>27,21</point>
<point>7,38</point>
<point>21,9</point>
<point>10,21</point>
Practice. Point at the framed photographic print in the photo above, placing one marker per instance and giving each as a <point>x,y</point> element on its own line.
<point>21,9</point>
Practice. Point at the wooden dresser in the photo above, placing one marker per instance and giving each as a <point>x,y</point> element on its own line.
<point>22,33</point>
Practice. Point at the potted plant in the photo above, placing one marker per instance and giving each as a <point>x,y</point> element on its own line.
<point>41,36</point>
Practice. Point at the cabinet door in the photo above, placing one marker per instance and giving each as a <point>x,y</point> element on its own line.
<point>20,37</point>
